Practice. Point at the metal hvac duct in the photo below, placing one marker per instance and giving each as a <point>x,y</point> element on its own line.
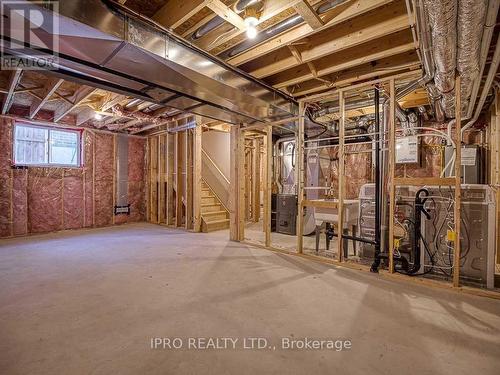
<point>124,52</point>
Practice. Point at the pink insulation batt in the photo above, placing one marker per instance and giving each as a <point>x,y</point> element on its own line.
<point>136,178</point>
<point>5,176</point>
<point>103,179</point>
<point>46,199</point>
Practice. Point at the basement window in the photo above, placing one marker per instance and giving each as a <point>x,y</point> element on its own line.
<point>46,147</point>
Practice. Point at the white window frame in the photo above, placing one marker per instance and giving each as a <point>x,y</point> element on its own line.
<point>48,146</point>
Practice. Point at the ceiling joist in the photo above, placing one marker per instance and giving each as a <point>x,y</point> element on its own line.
<point>175,13</point>
<point>15,77</point>
<point>271,8</point>
<point>308,14</point>
<point>340,14</point>
<point>342,38</point>
<point>390,45</point>
<point>388,66</point>
<point>223,11</point>
<point>49,89</point>
<point>81,94</point>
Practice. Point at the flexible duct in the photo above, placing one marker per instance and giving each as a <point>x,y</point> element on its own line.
<point>209,26</point>
<point>427,59</point>
<point>471,16</point>
<point>456,38</point>
<point>442,19</point>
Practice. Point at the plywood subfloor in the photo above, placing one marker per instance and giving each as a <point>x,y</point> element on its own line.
<point>88,302</point>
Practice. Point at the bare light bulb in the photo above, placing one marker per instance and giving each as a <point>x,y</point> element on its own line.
<point>251,23</point>
<point>98,116</point>
<point>251,32</point>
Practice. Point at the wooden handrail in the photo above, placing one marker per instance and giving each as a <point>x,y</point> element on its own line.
<point>216,166</point>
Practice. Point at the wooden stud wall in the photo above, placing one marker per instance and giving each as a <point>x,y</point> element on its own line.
<point>237,188</point>
<point>392,168</point>
<point>234,188</point>
<point>300,177</point>
<point>458,170</point>
<point>174,176</point>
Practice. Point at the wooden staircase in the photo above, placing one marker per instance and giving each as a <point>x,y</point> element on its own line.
<point>213,214</point>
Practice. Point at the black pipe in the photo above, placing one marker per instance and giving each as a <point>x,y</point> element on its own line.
<point>419,210</point>
<point>359,239</point>
<point>378,193</point>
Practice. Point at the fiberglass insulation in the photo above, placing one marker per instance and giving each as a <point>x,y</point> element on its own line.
<point>45,199</point>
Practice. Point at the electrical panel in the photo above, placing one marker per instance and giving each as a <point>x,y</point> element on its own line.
<point>472,163</point>
<point>407,150</point>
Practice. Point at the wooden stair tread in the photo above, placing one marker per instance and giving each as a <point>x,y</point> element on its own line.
<point>217,221</point>
<point>214,215</point>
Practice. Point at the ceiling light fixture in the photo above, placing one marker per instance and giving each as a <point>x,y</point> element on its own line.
<point>98,116</point>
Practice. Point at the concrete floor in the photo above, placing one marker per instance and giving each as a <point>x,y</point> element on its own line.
<point>88,302</point>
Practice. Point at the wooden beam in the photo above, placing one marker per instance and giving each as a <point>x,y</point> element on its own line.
<point>14,78</point>
<point>256,180</point>
<point>341,171</point>
<point>81,94</point>
<point>345,12</point>
<point>457,205</point>
<point>179,177</point>
<point>387,46</point>
<point>268,145</point>
<point>50,88</point>
<point>111,100</point>
<point>161,179</point>
<point>307,12</point>
<point>424,181</point>
<point>216,41</point>
<point>333,94</point>
<point>197,175</point>
<point>295,52</point>
<point>170,177</point>
<point>367,28</point>
<point>189,178</point>
<point>300,177</point>
<point>385,67</point>
<point>392,169</point>
<point>241,184</point>
<point>175,12</point>
<point>226,13</point>
<point>237,185</point>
